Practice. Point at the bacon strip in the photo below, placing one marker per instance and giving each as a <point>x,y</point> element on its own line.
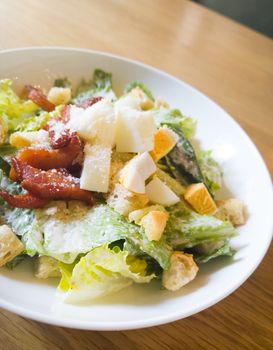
<point>51,184</point>
<point>26,200</point>
<point>60,139</point>
<point>89,102</point>
<point>39,98</point>
<point>44,158</point>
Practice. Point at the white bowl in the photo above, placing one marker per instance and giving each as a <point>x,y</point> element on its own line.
<point>246,177</point>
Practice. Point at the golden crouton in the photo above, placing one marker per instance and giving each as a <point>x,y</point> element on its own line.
<point>182,271</point>
<point>231,209</point>
<point>145,102</point>
<point>154,224</point>
<point>59,95</point>
<point>10,245</point>
<point>164,141</point>
<point>27,138</point>
<point>125,201</point>
<point>199,198</point>
<point>46,267</point>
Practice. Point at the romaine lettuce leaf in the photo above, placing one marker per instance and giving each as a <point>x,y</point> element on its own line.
<point>174,118</point>
<point>102,271</point>
<point>140,85</point>
<point>13,110</point>
<point>99,85</point>
<point>65,232</point>
<point>62,82</point>
<point>33,123</point>
<point>201,256</point>
<point>186,229</point>
<point>211,171</point>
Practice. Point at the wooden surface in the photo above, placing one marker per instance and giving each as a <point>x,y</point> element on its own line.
<point>228,62</point>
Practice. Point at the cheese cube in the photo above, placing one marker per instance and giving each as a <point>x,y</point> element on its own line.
<point>135,130</point>
<point>164,141</point>
<point>27,138</point>
<point>127,101</point>
<point>154,224</point>
<point>10,245</point>
<point>199,198</point>
<point>96,168</point>
<point>59,95</point>
<point>137,171</point>
<point>158,192</point>
<point>96,123</point>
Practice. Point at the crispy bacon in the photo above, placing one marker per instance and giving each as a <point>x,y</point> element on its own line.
<point>62,117</point>
<point>89,102</point>
<point>60,139</point>
<point>65,114</point>
<point>44,158</point>
<point>26,200</point>
<point>39,98</point>
<point>51,184</point>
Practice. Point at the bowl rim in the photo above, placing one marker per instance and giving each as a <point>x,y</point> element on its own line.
<point>153,321</point>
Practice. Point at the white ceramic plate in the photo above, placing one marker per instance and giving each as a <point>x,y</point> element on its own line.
<point>246,177</point>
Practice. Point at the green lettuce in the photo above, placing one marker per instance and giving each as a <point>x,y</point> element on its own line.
<point>62,82</point>
<point>174,118</point>
<point>203,255</point>
<point>137,84</point>
<point>102,271</point>
<point>211,171</point>
<point>186,229</point>
<point>34,123</point>
<point>13,110</point>
<point>65,232</point>
<point>99,85</point>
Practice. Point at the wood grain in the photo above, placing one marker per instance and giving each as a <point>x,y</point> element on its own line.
<point>231,64</point>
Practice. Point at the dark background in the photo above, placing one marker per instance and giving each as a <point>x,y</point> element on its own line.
<point>256,14</point>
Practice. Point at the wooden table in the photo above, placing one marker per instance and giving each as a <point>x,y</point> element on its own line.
<point>228,62</point>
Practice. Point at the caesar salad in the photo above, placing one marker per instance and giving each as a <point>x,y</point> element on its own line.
<point>102,191</point>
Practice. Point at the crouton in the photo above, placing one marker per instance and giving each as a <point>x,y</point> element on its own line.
<point>27,138</point>
<point>59,95</point>
<point>144,101</point>
<point>164,141</point>
<point>231,209</point>
<point>46,267</point>
<point>182,271</point>
<point>10,245</point>
<point>199,198</point>
<point>125,201</point>
<point>154,224</point>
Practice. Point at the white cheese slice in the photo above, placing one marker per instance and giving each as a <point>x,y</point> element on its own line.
<point>96,168</point>
<point>96,123</point>
<point>158,192</point>
<point>137,171</point>
<point>135,130</point>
